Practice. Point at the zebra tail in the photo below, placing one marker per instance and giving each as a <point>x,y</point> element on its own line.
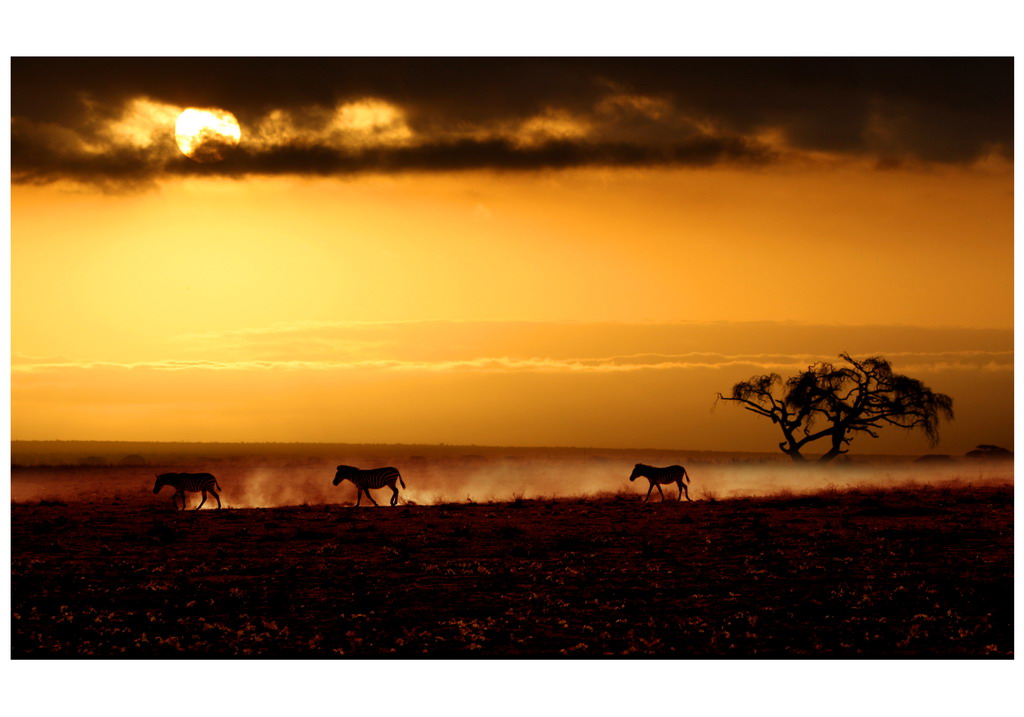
<point>400,480</point>
<point>217,484</point>
<point>686,475</point>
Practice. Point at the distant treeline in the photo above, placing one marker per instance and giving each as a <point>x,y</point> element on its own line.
<point>145,454</point>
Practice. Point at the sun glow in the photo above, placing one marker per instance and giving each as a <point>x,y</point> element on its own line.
<point>206,135</point>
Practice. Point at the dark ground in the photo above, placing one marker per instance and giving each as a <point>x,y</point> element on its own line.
<point>922,573</point>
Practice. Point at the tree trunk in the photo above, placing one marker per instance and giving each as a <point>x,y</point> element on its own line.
<point>837,446</point>
<point>790,446</point>
<point>794,453</point>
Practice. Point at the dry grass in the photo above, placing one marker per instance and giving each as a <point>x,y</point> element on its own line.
<point>830,573</point>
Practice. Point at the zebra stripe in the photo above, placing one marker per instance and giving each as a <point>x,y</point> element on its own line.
<point>188,482</point>
<point>372,479</point>
<point>662,476</point>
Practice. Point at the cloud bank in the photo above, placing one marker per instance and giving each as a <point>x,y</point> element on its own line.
<point>106,121</point>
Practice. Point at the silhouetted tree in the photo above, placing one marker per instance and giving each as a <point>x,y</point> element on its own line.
<point>835,403</point>
<point>990,453</point>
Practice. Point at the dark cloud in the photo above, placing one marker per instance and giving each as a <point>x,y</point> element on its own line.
<point>477,113</point>
<point>130,167</point>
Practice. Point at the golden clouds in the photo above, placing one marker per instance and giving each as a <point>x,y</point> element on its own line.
<point>127,147</point>
<point>364,123</point>
<point>552,125</point>
<point>142,123</point>
<point>371,121</point>
<point>141,126</point>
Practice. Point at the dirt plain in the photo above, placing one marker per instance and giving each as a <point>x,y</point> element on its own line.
<point>915,573</point>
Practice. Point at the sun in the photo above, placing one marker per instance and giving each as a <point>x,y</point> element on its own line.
<point>206,135</point>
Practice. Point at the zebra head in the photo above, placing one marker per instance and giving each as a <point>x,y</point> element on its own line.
<point>342,474</point>
<point>638,470</point>
<point>161,481</point>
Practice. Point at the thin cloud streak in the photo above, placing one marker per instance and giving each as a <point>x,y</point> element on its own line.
<point>988,361</point>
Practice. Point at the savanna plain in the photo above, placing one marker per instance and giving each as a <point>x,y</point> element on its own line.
<point>506,552</point>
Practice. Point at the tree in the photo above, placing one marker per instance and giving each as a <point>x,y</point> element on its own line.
<point>990,453</point>
<point>836,403</point>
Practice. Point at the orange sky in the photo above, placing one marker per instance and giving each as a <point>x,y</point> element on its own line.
<point>591,305</point>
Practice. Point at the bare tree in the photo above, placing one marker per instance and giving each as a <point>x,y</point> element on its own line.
<point>835,403</point>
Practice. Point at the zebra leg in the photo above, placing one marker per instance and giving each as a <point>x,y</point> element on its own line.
<point>370,497</point>
<point>182,494</point>
<point>202,501</point>
<point>394,496</point>
<point>660,492</point>
<point>214,494</point>
<point>359,495</point>
<point>684,490</point>
<point>649,489</point>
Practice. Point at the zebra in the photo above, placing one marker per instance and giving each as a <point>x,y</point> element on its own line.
<point>373,478</point>
<point>190,482</point>
<point>662,476</point>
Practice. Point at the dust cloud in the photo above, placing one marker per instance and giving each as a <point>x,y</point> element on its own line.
<point>267,482</point>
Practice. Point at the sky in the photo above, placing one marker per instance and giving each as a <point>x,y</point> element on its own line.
<point>504,251</point>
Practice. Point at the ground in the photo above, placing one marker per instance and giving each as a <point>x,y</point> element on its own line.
<point>898,573</point>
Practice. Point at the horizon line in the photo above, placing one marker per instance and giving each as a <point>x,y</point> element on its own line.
<point>447,445</point>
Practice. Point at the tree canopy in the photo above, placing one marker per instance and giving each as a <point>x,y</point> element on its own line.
<point>836,403</point>
<point>990,453</point>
